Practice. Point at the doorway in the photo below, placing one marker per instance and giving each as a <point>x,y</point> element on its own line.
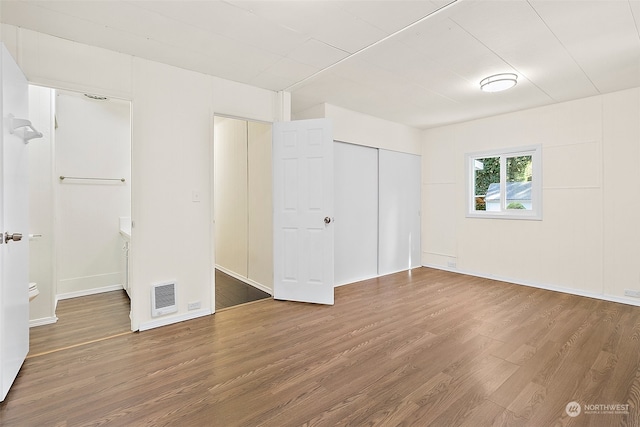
<point>242,196</point>
<point>80,201</point>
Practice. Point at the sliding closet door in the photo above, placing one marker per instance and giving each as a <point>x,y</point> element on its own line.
<point>356,212</point>
<point>399,201</point>
<point>230,194</point>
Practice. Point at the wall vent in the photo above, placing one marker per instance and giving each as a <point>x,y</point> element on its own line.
<point>163,299</point>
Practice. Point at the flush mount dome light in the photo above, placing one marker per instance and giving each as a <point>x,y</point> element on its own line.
<point>498,82</point>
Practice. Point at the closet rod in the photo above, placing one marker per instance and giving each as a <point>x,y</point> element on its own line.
<point>62,178</point>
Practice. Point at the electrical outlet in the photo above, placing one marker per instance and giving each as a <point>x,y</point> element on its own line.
<point>632,293</point>
<point>193,305</point>
<point>451,264</point>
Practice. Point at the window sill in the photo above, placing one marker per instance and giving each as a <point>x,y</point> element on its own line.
<point>532,216</point>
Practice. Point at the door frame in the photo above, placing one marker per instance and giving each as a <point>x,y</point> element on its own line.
<point>212,237</point>
<point>55,197</point>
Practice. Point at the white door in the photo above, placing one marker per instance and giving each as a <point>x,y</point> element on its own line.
<point>14,276</point>
<point>303,211</point>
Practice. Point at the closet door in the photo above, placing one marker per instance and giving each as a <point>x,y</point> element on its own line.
<point>356,212</point>
<point>399,210</point>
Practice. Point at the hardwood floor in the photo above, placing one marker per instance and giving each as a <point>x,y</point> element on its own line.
<point>231,291</point>
<point>82,320</point>
<point>419,348</point>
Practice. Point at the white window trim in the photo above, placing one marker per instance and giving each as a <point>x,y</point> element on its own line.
<point>536,188</point>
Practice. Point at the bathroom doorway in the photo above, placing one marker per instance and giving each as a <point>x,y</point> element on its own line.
<point>80,210</point>
<point>242,211</point>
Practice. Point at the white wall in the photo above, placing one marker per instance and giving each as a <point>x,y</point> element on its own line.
<point>362,129</point>
<point>41,268</point>
<point>93,139</point>
<point>589,239</point>
<point>621,198</point>
<point>172,119</point>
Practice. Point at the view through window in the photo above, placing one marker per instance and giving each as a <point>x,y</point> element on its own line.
<point>505,184</point>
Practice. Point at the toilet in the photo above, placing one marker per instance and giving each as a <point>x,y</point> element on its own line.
<point>33,291</point>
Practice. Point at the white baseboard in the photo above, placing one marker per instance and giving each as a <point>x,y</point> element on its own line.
<point>96,281</point>
<point>363,278</point>
<point>86,292</point>
<point>570,291</point>
<point>42,321</point>
<point>352,281</point>
<point>145,326</point>
<point>246,280</point>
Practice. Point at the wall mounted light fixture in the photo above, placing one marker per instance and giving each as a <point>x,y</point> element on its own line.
<point>498,82</point>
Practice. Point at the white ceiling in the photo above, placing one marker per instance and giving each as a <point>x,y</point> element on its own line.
<point>394,59</point>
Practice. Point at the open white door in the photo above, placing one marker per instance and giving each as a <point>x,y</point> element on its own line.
<point>14,222</point>
<point>303,211</point>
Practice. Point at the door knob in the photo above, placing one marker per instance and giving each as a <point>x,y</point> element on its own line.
<point>327,220</point>
<point>16,237</point>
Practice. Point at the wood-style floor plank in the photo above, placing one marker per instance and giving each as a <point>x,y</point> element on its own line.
<point>418,348</point>
<point>81,320</point>
<point>231,291</point>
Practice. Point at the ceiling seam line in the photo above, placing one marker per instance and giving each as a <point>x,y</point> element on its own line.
<point>634,19</point>
<point>330,45</point>
<point>359,51</point>
<point>564,47</point>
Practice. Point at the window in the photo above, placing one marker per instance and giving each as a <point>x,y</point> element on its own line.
<point>505,184</point>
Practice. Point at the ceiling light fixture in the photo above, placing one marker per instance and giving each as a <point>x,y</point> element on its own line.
<point>499,82</point>
<point>96,97</point>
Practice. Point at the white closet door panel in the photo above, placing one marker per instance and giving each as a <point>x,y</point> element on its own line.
<point>399,210</point>
<point>356,212</point>
<point>230,194</point>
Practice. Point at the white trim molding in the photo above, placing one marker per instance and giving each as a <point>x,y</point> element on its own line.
<point>86,292</point>
<point>145,326</point>
<point>42,321</point>
<point>571,291</point>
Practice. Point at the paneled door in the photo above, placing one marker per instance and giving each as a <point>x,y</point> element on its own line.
<point>303,211</point>
<point>14,200</point>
